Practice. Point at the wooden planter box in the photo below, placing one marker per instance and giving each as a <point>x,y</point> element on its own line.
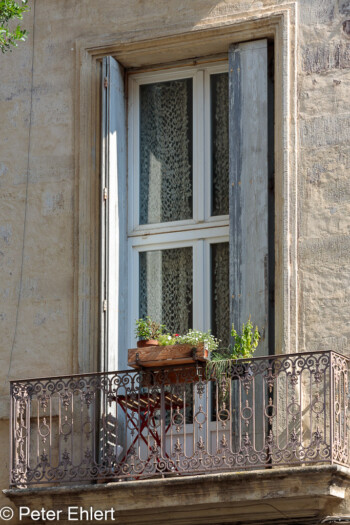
<point>164,356</point>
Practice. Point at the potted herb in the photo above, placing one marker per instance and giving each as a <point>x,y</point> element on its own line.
<point>167,339</point>
<point>198,338</point>
<point>148,332</point>
<point>243,347</point>
<point>173,349</point>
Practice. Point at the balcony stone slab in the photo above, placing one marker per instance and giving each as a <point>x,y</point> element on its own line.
<point>302,495</point>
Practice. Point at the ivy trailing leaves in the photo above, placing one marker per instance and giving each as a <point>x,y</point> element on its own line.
<point>10,34</point>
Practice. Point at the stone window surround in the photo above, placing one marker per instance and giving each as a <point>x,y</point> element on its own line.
<point>148,48</point>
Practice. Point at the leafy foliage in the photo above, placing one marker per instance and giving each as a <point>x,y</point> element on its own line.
<point>167,339</point>
<point>9,36</point>
<point>193,337</point>
<point>147,329</point>
<point>243,348</point>
<point>245,344</point>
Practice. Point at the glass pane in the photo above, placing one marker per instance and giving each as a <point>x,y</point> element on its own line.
<point>219,141</point>
<point>166,151</point>
<point>220,297</point>
<point>166,287</point>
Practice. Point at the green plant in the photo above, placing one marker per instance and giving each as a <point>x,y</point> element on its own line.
<point>147,329</point>
<point>193,337</point>
<point>245,344</point>
<point>243,348</point>
<point>167,339</point>
<point>10,10</point>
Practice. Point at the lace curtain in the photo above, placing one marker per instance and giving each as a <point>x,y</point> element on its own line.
<point>219,132</point>
<point>166,287</point>
<point>166,151</point>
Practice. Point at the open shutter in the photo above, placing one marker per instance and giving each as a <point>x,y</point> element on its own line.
<point>251,238</point>
<point>113,224</point>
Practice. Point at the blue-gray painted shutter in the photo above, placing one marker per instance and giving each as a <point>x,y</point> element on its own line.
<point>251,269</point>
<point>114,219</point>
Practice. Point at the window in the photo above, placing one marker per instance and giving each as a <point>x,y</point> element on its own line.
<point>178,224</point>
<point>187,229</point>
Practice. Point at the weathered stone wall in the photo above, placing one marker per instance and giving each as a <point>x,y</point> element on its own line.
<point>323,175</point>
<point>38,190</point>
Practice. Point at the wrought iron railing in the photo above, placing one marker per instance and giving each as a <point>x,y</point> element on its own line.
<point>266,412</point>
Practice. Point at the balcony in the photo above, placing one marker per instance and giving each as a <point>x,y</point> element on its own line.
<point>285,416</point>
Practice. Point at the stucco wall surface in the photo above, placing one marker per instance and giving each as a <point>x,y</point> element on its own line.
<point>38,192</point>
<point>323,175</point>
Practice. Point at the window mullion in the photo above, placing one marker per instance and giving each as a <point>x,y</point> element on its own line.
<point>207,146</point>
<point>133,155</point>
<point>198,146</point>
<point>206,285</point>
<point>133,292</point>
<point>198,288</point>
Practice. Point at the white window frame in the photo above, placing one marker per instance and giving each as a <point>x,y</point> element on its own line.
<point>203,229</point>
<point>201,147</point>
<point>201,313</point>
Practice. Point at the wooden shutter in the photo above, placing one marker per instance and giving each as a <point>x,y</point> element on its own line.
<point>251,229</point>
<point>113,218</point>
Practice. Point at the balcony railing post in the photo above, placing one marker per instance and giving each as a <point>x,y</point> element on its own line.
<point>331,406</point>
<point>12,437</point>
<point>340,445</point>
<point>20,429</point>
